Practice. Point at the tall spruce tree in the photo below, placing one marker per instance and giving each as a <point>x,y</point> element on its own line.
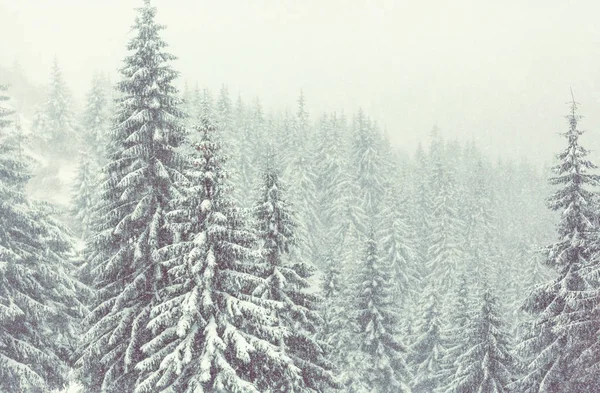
<point>203,103</point>
<point>225,117</point>
<point>38,297</point>
<point>295,139</point>
<point>333,330</point>
<point>455,339</point>
<point>252,122</point>
<point>286,282</point>
<point>480,239</point>
<point>298,160</point>
<point>340,218</point>
<point>138,187</point>
<point>445,255</point>
<point>84,196</point>
<point>427,352</point>
<point>332,181</point>
<point>397,246</point>
<point>422,206</point>
<point>96,120</point>
<point>55,137</point>
<point>93,154</point>
<point>55,124</point>
<point>565,315</point>
<point>367,164</point>
<point>384,368</point>
<point>238,158</point>
<point>487,364</point>
<point>211,334</point>
<point>224,114</point>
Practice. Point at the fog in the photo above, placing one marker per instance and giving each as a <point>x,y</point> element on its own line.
<point>151,243</point>
<point>498,72</point>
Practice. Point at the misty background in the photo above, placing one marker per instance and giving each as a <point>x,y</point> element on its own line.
<point>421,246</point>
<point>498,73</point>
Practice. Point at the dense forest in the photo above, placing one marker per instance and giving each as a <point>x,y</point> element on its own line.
<point>153,240</point>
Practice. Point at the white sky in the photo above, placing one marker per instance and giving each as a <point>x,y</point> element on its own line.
<point>497,71</point>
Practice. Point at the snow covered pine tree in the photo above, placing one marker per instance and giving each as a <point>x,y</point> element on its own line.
<point>398,247</point>
<point>286,282</point>
<point>385,370</point>
<point>566,318</point>
<point>55,123</point>
<point>84,196</point>
<point>427,352</point>
<point>38,297</point>
<point>140,183</point>
<point>95,122</point>
<point>487,364</point>
<point>455,339</point>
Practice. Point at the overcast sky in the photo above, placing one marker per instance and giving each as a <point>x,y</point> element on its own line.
<point>496,71</point>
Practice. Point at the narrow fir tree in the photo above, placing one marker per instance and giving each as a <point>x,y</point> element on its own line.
<point>238,158</point>
<point>55,124</point>
<point>330,166</point>
<point>84,196</point>
<point>480,239</point>
<point>301,123</point>
<point>397,245</point>
<point>299,162</point>
<point>283,140</point>
<point>487,364</point>
<point>331,180</point>
<point>140,183</point>
<point>295,138</point>
<point>94,154</point>
<point>390,160</point>
<point>564,324</point>
<point>304,197</point>
<point>203,104</point>
<point>385,370</point>
<point>38,297</point>
<point>446,244</point>
<point>55,137</point>
<point>332,310</point>
<point>422,207</point>
<point>253,122</point>
<point>286,282</point>
<point>224,114</point>
<point>96,120</point>
<point>367,164</point>
<point>427,352</point>
<point>340,216</point>
<point>187,105</point>
<point>455,337</point>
